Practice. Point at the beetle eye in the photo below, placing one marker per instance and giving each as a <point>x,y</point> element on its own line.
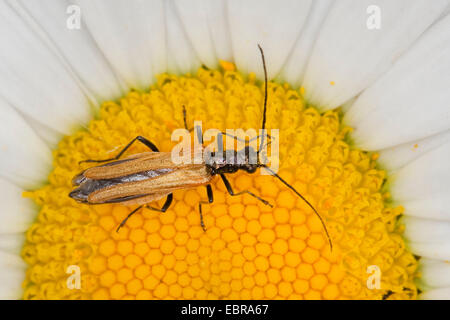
<point>250,169</point>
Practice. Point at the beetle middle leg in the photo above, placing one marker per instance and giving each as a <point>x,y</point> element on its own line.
<point>164,208</point>
<point>232,193</point>
<point>210,200</point>
<point>141,139</point>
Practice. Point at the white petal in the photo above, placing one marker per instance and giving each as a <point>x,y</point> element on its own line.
<point>348,56</point>
<point>181,55</point>
<point>33,80</point>
<point>25,158</point>
<point>220,31</point>
<point>48,135</point>
<point>206,27</point>
<point>420,230</point>
<point>436,294</point>
<point>16,212</point>
<point>49,19</point>
<point>294,69</point>
<point>396,157</point>
<point>423,186</point>
<point>410,102</point>
<point>435,273</point>
<point>428,238</point>
<point>275,25</point>
<point>12,274</point>
<point>430,206</point>
<point>131,35</point>
<point>438,251</point>
<point>12,243</point>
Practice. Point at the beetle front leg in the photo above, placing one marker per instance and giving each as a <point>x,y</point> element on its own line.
<point>232,193</point>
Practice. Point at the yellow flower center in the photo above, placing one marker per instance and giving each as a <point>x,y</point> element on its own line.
<point>249,251</point>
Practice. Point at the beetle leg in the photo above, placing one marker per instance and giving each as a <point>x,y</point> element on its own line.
<point>210,200</point>
<point>165,206</point>
<point>128,216</point>
<point>141,139</point>
<point>163,209</point>
<point>232,193</point>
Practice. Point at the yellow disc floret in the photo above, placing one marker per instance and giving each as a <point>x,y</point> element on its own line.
<point>249,251</point>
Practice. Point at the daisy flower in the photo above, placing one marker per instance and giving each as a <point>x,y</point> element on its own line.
<point>359,91</point>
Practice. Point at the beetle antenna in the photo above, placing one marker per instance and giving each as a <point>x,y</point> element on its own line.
<point>304,199</point>
<point>263,127</point>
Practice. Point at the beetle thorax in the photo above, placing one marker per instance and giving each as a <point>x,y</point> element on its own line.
<point>230,161</point>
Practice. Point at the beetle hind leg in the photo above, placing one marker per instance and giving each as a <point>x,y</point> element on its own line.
<point>141,139</point>
<point>163,209</point>
<point>165,206</point>
<point>210,200</point>
<point>124,221</point>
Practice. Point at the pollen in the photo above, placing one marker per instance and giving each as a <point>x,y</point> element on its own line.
<point>249,250</point>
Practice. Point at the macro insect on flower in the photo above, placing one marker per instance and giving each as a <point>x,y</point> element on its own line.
<point>358,91</point>
<point>148,177</point>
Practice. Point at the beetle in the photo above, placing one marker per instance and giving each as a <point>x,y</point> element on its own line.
<point>146,177</point>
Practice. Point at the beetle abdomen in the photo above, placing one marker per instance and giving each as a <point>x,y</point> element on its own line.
<point>88,186</point>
